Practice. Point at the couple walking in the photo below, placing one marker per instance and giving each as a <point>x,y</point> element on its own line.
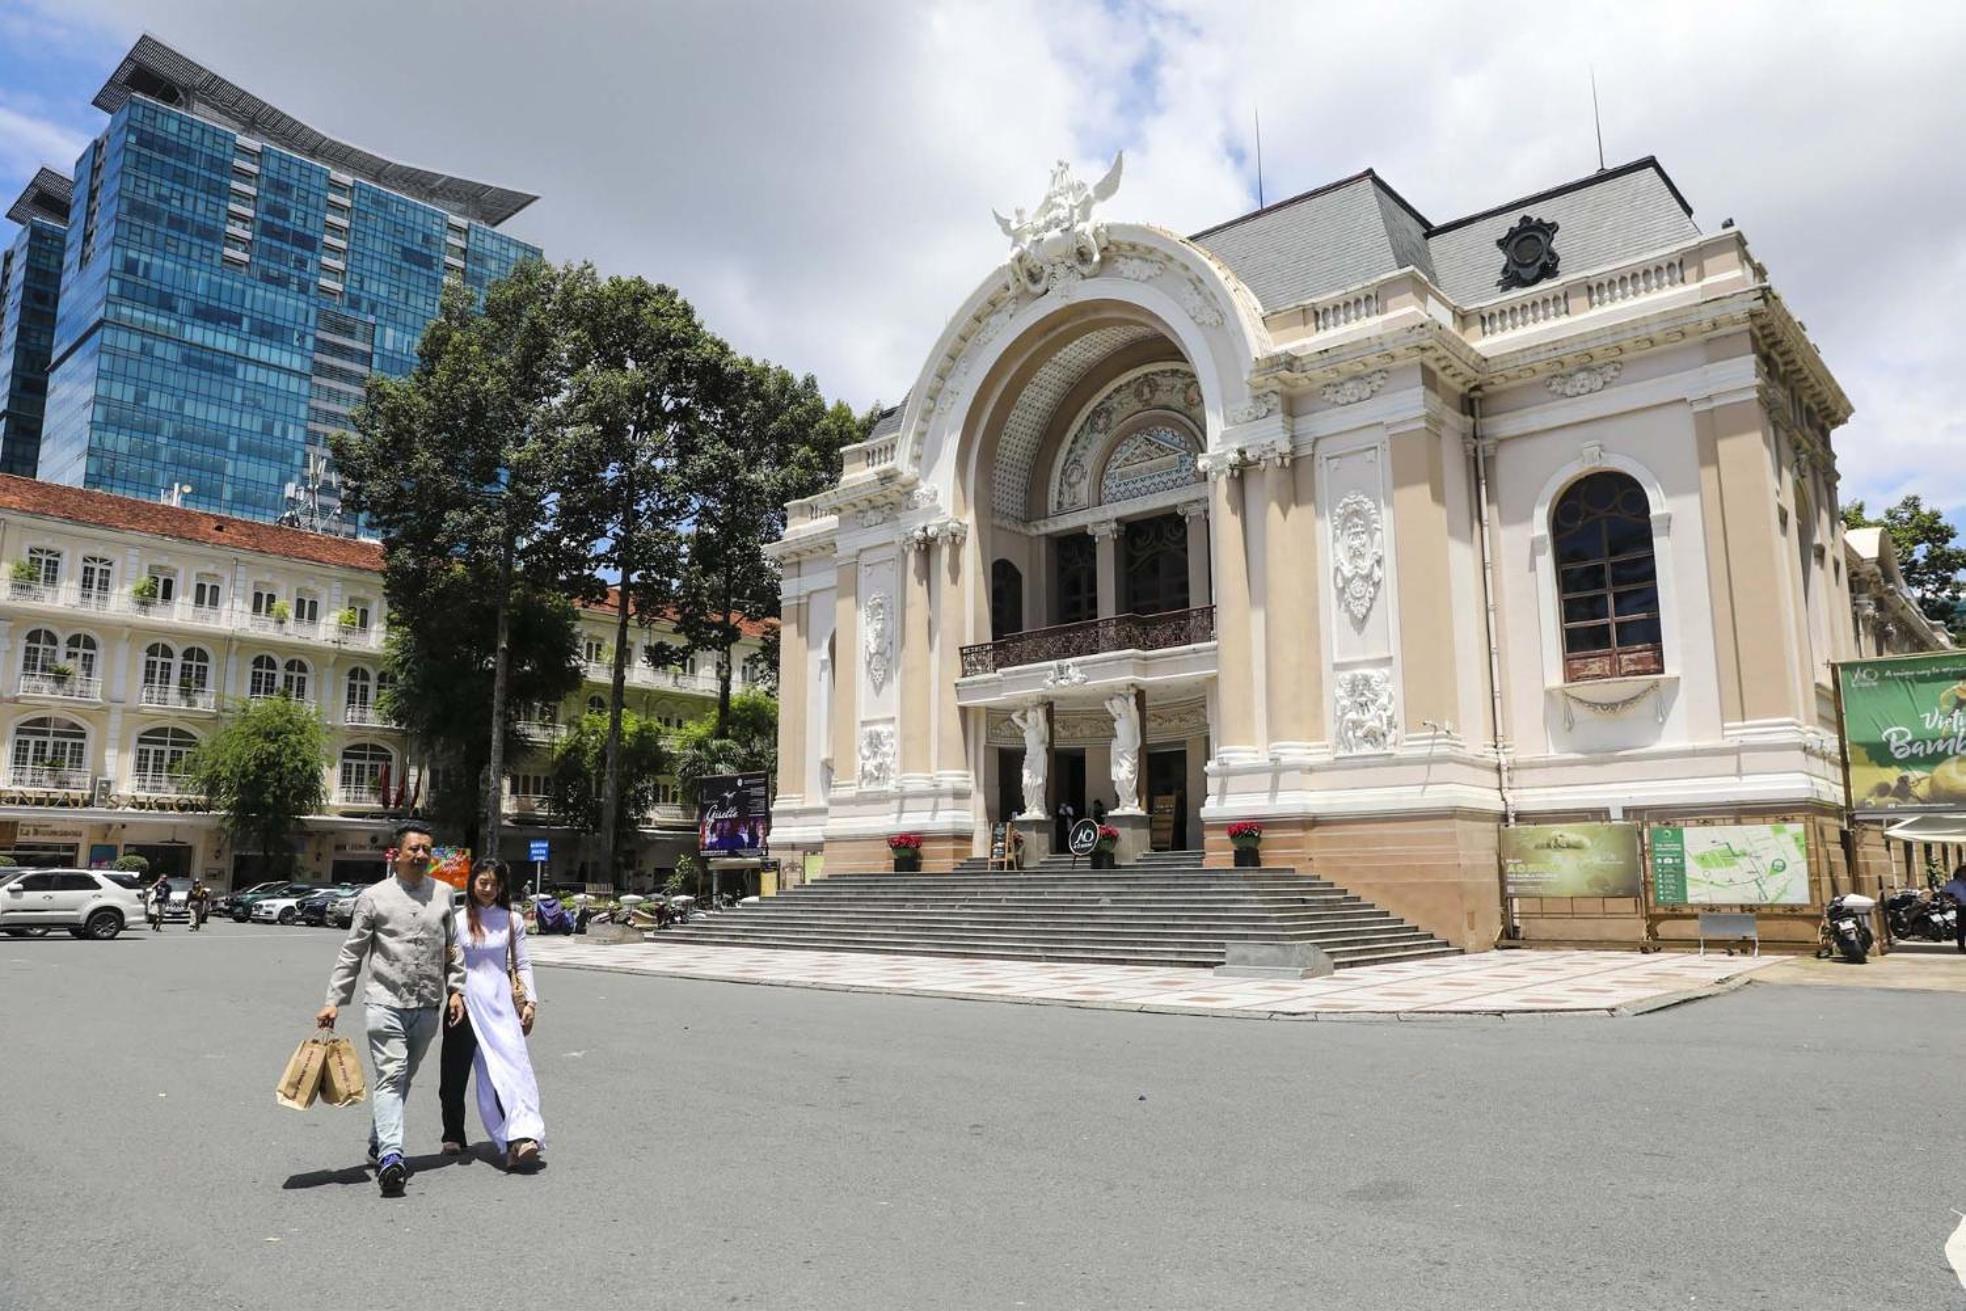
<point>427,971</point>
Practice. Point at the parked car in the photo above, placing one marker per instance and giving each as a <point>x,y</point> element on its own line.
<point>313,909</point>
<point>242,905</point>
<point>341,911</point>
<point>229,903</point>
<point>88,903</point>
<point>282,907</point>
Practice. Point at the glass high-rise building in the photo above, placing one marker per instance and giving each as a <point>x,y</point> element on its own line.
<point>30,287</point>
<point>230,278</point>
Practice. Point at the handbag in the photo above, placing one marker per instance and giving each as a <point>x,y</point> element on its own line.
<point>341,1074</point>
<point>300,1082</point>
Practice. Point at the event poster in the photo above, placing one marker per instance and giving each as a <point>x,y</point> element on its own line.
<point>733,814</point>
<point>1572,860</point>
<point>1904,731</point>
<point>451,865</point>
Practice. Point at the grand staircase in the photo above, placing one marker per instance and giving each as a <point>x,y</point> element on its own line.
<point>1165,910</point>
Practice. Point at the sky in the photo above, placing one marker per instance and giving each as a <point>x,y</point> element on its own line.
<point>818,178</point>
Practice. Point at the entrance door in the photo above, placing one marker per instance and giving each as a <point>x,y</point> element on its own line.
<point>1010,784</point>
<point>1067,788</point>
<point>1077,592</point>
<point>166,858</point>
<point>1167,798</point>
<point>1156,565</point>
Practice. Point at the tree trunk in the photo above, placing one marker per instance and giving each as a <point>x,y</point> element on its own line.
<point>617,692</point>
<point>501,674</point>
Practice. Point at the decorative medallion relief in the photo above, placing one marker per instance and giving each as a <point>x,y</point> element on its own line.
<point>877,756</point>
<point>1350,391</point>
<point>1365,712</point>
<point>877,639</point>
<point>1359,550</point>
<point>1583,381</point>
<point>1173,389</point>
<point>1528,253</point>
<point>1260,405</point>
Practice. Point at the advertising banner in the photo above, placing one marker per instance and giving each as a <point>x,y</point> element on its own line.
<point>451,865</point>
<point>1904,731</point>
<point>1572,860</point>
<point>733,814</point>
<point>1731,865</point>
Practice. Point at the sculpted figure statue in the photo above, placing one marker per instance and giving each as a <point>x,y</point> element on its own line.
<point>1125,710</point>
<point>1032,722</point>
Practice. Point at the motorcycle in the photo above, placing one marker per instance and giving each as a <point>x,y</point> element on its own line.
<point>550,916</point>
<point>1846,928</point>
<point>1914,916</point>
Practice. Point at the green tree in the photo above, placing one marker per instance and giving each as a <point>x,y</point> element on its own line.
<point>577,782</point>
<point>765,438</point>
<point>458,465</point>
<point>264,769</point>
<point>1927,558</point>
<point>748,742</point>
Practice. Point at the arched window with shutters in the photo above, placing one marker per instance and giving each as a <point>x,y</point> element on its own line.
<point>159,765</point>
<point>1607,579</point>
<point>49,752</point>
<point>264,678</point>
<point>293,679</point>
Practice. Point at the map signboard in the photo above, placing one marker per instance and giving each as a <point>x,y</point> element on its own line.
<point>1904,731</point>
<point>1731,865</point>
<point>1572,860</point>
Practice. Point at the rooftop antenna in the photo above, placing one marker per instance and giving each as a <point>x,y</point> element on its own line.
<point>1259,158</point>
<point>1597,121</point>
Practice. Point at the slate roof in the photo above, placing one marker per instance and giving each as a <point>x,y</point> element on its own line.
<point>1359,228</point>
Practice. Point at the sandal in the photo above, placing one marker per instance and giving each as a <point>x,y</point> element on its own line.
<point>453,1148</point>
<point>521,1153</point>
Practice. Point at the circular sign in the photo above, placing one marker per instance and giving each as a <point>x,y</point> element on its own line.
<point>1084,837</point>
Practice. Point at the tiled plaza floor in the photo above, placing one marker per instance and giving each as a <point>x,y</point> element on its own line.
<point>1486,983</point>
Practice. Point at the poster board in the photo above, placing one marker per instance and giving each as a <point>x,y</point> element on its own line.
<point>1904,732</point>
<point>1571,860</point>
<point>1730,865</point>
<point>733,815</point>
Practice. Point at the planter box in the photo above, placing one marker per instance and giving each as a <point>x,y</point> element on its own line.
<point>1104,860</point>
<point>907,862</point>
<point>1250,857</point>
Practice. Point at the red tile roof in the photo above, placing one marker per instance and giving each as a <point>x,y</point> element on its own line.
<point>55,501</point>
<point>749,627</point>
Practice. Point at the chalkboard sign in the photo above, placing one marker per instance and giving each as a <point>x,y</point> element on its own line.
<point>999,841</point>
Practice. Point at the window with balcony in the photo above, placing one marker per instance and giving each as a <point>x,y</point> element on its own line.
<point>593,651</point>
<point>49,752</point>
<point>307,608</point>
<point>40,652</point>
<point>1077,572</point>
<point>79,654</point>
<point>1601,528</point>
<point>359,607</point>
<point>160,759</point>
<point>358,706</point>
<point>166,583</point>
<point>293,679</point>
<point>1006,600</point>
<point>264,678</point>
<point>159,674</point>
<point>265,599</point>
<point>194,677</point>
<point>531,786</point>
<point>44,566</point>
<point>364,766</point>
<point>96,573</point>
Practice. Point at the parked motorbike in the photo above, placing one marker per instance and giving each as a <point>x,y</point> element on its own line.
<point>1915,916</point>
<point>550,916</point>
<point>1845,928</point>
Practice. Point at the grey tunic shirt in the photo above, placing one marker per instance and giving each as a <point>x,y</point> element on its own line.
<point>407,934</point>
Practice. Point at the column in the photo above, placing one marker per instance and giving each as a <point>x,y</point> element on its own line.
<point>950,758</point>
<point>846,634</point>
<point>917,552</point>
<point>793,669</point>
<point>1105,537</point>
<point>1287,605</point>
<point>1196,513</point>
<point>1230,560</point>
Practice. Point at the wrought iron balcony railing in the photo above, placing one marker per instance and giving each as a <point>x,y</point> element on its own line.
<point>1041,646</point>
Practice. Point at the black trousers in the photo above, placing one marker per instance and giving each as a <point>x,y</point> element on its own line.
<point>460,1047</point>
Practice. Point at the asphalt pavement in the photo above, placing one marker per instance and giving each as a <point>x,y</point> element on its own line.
<point>717,1145</point>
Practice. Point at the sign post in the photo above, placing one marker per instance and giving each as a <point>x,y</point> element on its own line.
<point>538,855</point>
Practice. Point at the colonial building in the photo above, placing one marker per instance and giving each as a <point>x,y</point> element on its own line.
<point>1381,531</point>
<point>127,628</point>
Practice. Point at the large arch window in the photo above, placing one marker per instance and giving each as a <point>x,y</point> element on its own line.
<point>1006,600</point>
<point>265,678</point>
<point>160,757</point>
<point>363,768</point>
<point>80,654</point>
<point>293,679</point>
<point>159,674</point>
<point>359,698</point>
<point>194,675</point>
<point>40,652</point>
<point>1607,579</point>
<point>49,752</point>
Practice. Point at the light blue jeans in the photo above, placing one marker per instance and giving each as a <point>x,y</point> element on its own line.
<point>398,1037</point>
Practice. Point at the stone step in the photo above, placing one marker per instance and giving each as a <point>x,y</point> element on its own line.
<point>1201,957</point>
<point>1321,933</point>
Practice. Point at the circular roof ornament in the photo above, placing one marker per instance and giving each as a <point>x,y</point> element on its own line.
<point>1528,253</point>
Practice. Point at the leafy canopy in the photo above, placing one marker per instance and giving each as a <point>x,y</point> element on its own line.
<point>580,764</point>
<point>1927,558</point>
<point>264,769</point>
<point>749,743</point>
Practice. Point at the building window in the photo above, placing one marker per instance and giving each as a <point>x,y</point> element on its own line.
<point>45,562</point>
<point>206,594</point>
<point>361,690</point>
<point>80,653</point>
<point>597,705</point>
<point>591,651</point>
<point>265,679</point>
<point>293,679</point>
<point>527,785</point>
<point>264,599</point>
<point>1078,578</point>
<point>159,674</point>
<point>1006,600</point>
<point>194,673</point>
<point>166,583</point>
<point>96,571</point>
<point>49,752</point>
<point>40,652</point>
<point>363,768</point>
<point>161,753</point>
<point>1607,580</point>
<point>307,608</point>
<point>360,607</point>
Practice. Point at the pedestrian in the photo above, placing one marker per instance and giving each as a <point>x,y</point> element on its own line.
<point>492,1041</point>
<point>198,902</point>
<point>404,930</point>
<point>160,897</point>
<point>1956,889</point>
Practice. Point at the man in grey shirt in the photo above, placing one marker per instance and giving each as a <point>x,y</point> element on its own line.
<point>405,929</point>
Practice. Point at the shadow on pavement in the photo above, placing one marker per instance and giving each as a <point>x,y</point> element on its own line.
<point>362,1174</point>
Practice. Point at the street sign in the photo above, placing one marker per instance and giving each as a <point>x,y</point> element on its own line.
<point>1085,836</point>
<point>539,846</point>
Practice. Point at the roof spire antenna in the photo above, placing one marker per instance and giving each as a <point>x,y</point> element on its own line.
<point>1597,121</point>
<point>1259,157</point>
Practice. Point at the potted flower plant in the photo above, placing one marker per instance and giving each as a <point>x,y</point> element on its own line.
<point>281,612</point>
<point>1102,850</point>
<point>348,619</point>
<point>1246,835</point>
<point>61,673</point>
<point>145,591</point>
<point>907,849</point>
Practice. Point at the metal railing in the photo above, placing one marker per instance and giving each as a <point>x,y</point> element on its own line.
<point>57,778</point>
<point>73,688</point>
<point>1039,646</point>
<point>362,715</point>
<point>165,696</point>
<point>120,601</point>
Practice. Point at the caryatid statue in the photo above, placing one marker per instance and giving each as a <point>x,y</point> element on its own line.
<point>1125,710</point>
<point>1035,724</point>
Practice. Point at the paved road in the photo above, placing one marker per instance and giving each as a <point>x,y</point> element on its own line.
<point>1777,1147</point>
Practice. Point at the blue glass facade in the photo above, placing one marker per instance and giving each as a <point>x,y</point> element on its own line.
<point>223,303</point>
<point>30,284</point>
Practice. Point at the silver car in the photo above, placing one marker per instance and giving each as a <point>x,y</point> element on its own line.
<point>88,903</point>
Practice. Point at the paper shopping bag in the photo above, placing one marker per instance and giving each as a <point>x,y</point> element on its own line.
<point>341,1075</point>
<point>302,1078</point>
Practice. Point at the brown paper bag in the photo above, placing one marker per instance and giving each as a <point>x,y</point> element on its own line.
<point>341,1075</point>
<point>302,1077</point>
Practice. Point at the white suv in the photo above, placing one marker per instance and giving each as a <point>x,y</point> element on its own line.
<point>88,903</point>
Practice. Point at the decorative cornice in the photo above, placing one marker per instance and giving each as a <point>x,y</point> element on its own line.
<point>1350,391</point>
<point>1585,379</point>
<point>1216,465</point>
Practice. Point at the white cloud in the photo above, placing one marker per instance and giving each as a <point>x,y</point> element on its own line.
<point>28,141</point>
<point>819,179</point>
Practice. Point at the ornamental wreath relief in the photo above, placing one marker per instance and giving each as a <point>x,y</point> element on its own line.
<point>1360,556</point>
